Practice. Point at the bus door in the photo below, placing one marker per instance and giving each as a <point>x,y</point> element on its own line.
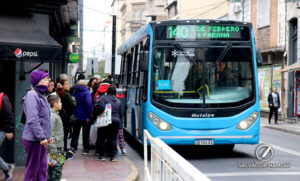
<point>137,88</point>
<point>132,109</point>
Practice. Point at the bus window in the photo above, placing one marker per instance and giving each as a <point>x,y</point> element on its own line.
<point>192,77</point>
<point>122,71</point>
<point>129,68</point>
<point>232,76</point>
<point>135,68</point>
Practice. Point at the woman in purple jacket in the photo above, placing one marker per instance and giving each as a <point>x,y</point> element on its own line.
<point>36,133</point>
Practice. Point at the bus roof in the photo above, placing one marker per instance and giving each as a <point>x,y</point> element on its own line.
<point>143,32</point>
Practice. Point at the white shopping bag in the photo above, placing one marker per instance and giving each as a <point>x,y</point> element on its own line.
<point>104,119</point>
<point>93,134</point>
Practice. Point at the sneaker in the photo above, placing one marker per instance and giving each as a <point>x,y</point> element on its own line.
<point>113,159</point>
<point>69,157</point>
<point>97,153</point>
<point>85,152</point>
<point>72,151</point>
<point>8,173</point>
<point>124,152</point>
<point>101,158</point>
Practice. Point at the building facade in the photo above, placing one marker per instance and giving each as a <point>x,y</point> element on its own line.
<point>133,14</point>
<point>194,9</point>
<point>33,36</point>
<point>275,25</point>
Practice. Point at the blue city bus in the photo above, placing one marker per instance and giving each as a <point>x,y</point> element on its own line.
<point>192,82</point>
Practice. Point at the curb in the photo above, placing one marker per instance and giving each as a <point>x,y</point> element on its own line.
<point>287,130</point>
<point>133,173</point>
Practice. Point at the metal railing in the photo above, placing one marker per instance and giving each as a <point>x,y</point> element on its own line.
<point>166,164</point>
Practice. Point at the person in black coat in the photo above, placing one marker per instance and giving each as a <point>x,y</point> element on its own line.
<point>7,127</point>
<point>108,133</point>
<point>274,104</point>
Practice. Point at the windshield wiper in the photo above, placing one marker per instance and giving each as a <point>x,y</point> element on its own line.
<point>228,46</point>
<point>180,48</point>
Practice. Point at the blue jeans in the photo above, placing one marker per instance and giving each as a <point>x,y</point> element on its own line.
<point>3,164</point>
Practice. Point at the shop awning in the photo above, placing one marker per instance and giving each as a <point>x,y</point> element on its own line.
<point>22,39</point>
<point>292,67</point>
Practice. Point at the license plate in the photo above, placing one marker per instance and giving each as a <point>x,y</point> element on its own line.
<point>204,142</point>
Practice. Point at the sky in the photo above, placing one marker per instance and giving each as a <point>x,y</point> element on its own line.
<point>96,14</point>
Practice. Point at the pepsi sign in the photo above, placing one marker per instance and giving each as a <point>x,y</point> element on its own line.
<point>19,53</point>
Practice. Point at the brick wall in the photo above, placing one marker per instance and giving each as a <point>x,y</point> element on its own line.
<point>266,37</point>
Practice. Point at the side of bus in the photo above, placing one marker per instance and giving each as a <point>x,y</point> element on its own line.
<point>134,80</point>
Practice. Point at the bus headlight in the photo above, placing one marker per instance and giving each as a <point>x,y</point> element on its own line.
<point>246,123</point>
<point>159,123</point>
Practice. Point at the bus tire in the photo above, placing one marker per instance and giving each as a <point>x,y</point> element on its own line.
<point>229,147</point>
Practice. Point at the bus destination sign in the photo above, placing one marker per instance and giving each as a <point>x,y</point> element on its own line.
<point>202,32</point>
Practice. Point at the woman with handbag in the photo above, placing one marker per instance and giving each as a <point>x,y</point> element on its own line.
<point>108,133</point>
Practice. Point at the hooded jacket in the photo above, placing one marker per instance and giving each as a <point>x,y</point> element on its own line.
<point>101,90</point>
<point>7,122</point>
<point>116,110</point>
<point>83,98</point>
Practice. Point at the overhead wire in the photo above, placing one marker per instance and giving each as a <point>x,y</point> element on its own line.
<point>213,12</point>
<point>202,7</point>
<point>98,11</point>
<point>209,10</point>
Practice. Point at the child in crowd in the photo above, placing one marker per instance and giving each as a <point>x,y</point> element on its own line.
<point>56,149</point>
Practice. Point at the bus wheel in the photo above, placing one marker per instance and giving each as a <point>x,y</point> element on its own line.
<point>228,147</point>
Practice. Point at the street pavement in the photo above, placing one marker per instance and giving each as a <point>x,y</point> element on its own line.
<point>87,168</point>
<point>213,162</point>
<point>222,165</point>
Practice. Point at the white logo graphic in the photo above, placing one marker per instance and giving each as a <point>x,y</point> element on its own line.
<point>264,152</point>
<point>30,54</point>
<point>175,53</point>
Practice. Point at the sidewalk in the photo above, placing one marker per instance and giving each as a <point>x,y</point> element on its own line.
<point>290,126</point>
<point>87,168</point>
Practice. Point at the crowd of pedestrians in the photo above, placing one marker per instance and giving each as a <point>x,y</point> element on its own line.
<point>55,112</point>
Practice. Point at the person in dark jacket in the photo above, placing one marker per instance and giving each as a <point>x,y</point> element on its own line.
<point>36,133</point>
<point>274,104</point>
<point>102,88</point>
<point>68,106</point>
<point>82,113</point>
<point>101,91</point>
<point>79,77</point>
<point>7,127</point>
<point>108,133</point>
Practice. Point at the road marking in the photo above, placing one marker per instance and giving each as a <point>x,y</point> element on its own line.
<point>238,174</point>
<point>286,150</point>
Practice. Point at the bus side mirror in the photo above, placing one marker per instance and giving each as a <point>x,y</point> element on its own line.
<point>259,59</point>
<point>144,60</point>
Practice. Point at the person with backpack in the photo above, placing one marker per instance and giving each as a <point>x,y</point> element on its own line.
<point>7,126</point>
<point>108,133</point>
<point>99,93</point>
<point>36,133</point>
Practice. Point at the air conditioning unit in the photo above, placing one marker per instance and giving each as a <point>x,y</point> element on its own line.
<point>237,8</point>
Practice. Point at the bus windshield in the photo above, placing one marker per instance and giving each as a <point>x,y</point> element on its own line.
<point>210,77</point>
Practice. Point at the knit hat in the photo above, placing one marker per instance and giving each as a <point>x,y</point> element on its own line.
<point>37,76</point>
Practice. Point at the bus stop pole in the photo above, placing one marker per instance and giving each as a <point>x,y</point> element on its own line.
<point>113,56</point>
